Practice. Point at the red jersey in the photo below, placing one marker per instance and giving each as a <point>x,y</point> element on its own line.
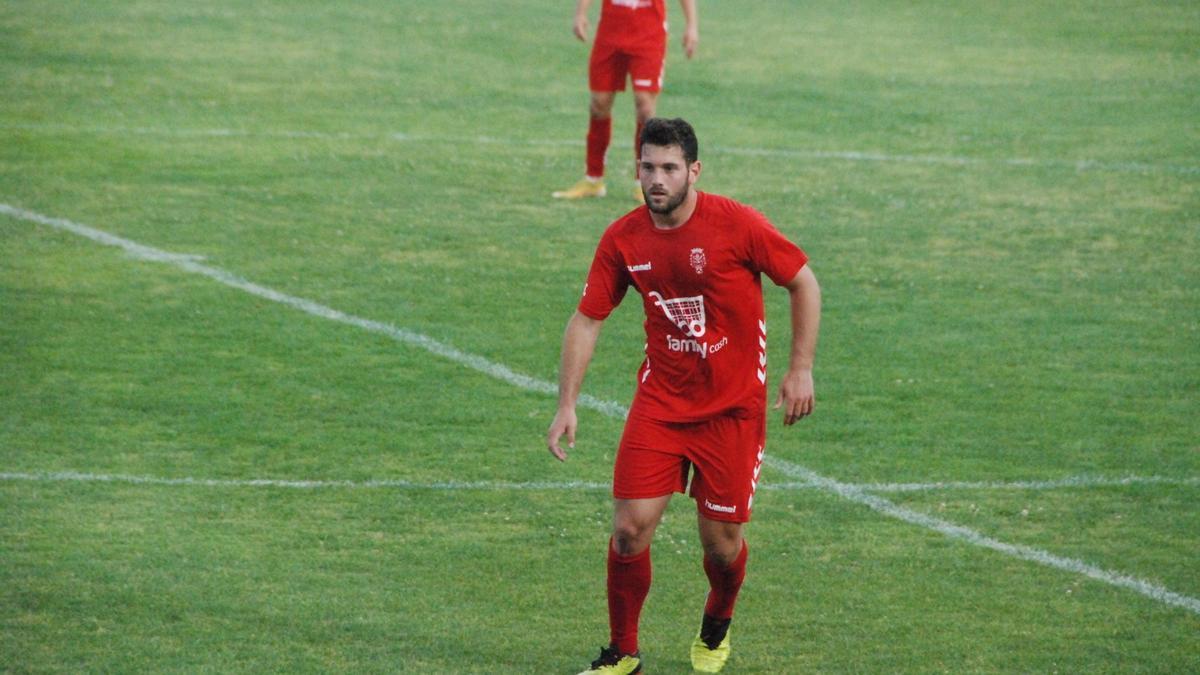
<point>701,288</point>
<point>632,24</point>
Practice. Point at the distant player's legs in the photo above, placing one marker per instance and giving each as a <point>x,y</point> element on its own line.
<point>645,103</point>
<point>607,68</point>
<point>646,70</point>
<point>598,137</point>
<point>599,132</point>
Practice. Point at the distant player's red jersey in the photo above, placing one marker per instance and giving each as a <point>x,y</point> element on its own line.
<point>701,289</point>
<point>632,24</point>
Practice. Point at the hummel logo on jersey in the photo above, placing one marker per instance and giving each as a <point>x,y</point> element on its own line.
<point>644,267</point>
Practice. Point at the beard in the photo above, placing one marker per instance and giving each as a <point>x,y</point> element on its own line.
<point>672,203</point>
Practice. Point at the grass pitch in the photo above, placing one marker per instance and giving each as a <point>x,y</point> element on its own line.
<point>1001,204</point>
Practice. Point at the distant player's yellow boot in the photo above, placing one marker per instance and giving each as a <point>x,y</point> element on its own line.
<point>613,662</point>
<point>707,659</point>
<point>638,195</point>
<point>587,187</point>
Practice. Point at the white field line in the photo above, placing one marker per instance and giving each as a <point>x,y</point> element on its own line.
<point>1078,165</point>
<point>610,408</point>
<point>859,496</point>
<point>1069,482</point>
<point>82,477</point>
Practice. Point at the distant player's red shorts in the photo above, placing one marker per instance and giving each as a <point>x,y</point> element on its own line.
<point>654,459</point>
<point>610,64</point>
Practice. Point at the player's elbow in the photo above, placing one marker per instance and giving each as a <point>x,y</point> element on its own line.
<point>582,323</point>
<point>805,283</point>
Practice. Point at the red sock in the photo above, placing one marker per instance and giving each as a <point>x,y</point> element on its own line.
<point>637,149</point>
<point>628,584</point>
<point>599,134</point>
<point>725,584</point>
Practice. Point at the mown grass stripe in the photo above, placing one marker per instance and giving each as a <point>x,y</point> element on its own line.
<point>190,264</point>
<point>83,477</point>
<point>1078,165</point>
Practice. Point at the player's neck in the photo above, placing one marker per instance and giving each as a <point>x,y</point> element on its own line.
<point>678,216</point>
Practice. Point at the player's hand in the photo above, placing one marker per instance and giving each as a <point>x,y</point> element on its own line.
<point>796,396</point>
<point>580,26</point>
<point>691,38</point>
<point>564,423</point>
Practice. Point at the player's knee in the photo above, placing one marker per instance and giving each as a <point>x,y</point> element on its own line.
<point>723,550</point>
<point>631,537</point>
<point>723,555</point>
<point>601,107</point>
<point>645,107</point>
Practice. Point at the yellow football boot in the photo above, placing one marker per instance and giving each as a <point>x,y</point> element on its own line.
<point>612,662</point>
<point>706,660</point>
<point>585,188</point>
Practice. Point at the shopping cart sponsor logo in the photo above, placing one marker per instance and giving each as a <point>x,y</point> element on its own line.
<point>686,313</point>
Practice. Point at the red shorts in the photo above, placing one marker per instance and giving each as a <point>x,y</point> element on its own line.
<point>609,64</point>
<point>726,453</point>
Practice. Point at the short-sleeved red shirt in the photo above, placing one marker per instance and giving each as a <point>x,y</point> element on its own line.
<point>701,289</point>
<point>632,24</point>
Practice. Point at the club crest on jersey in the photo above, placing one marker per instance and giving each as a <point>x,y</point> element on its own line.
<point>697,260</point>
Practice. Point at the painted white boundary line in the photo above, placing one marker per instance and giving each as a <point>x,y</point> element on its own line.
<point>1078,165</point>
<point>82,477</point>
<point>857,495</point>
<point>1069,482</point>
<point>613,409</point>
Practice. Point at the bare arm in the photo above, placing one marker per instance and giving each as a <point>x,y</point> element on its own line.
<point>691,27</point>
<point>796,395</point>
<point>579,341</point>
<point>580,23</point>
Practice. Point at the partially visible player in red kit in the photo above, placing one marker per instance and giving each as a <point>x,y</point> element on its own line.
<point>631,42</point>
<point>697,260</point>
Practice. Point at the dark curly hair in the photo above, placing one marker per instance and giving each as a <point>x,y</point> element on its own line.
<point>665,132</point>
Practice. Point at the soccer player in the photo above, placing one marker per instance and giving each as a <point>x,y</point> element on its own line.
<point>631,40</point>
<point>697,260</point>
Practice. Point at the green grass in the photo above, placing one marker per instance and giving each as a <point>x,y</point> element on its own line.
<point>994,310</point>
